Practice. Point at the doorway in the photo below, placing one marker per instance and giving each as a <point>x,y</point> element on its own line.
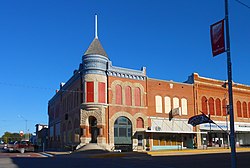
<point>123,134</point>
<point>94,131</point>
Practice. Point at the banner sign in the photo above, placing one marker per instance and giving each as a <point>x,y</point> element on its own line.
<point>199,119</point>
<point>217,38</point>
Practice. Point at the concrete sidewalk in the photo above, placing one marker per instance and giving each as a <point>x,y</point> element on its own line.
<point>144,154</point>
<point>194,151</point>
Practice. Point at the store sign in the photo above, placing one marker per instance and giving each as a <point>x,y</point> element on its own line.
<point>242,127</point>
<point>211,126</point>
<point>238,126</point>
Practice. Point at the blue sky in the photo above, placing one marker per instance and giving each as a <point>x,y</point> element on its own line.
<point>42,43</point>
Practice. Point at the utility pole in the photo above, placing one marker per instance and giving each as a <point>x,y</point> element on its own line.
<point>230,90</point>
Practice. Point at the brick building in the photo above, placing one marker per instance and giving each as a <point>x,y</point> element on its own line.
<point>211,97</point>
<point>119,108</point>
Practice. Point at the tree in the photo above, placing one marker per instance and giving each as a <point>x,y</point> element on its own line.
<point>8,137</point>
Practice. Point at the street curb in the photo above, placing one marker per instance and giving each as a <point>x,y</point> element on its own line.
<point>194,152</point>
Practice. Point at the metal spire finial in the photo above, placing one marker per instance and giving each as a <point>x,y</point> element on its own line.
<point>96,36</point>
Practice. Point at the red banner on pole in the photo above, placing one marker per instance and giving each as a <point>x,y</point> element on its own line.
<point>217,38</point>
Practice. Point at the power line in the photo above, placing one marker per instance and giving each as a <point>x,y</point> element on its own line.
<point>37,87</point>
<point>243,4</point>
<point>24,86</point>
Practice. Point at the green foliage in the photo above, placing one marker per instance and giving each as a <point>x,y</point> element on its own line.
<point>8,137</point>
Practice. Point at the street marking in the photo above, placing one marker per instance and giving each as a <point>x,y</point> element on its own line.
<point>23,155</point>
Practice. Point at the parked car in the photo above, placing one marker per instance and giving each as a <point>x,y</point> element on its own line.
<point>23,146</point>
<point>10,146</point>
<point>3,145</point>
<point>20,146</point>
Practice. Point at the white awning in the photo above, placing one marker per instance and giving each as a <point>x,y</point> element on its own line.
<point>176,132</point>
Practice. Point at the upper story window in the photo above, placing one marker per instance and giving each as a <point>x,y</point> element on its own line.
<point>211,106</point>
<point>176,102</point>
<point>218,107</point>
<point>101,92</point>
<point>224,107</point>
<point>90,91</point>
<point>184,106</point>
<point>118,94</point>
<point>249,109</point>
<point>137,96</point>
<point>128,95</point>
<point>158,104</point>
<point>167,104</point>
<point>204,105</point>
<point>239,113</point>
<point>244,106</point>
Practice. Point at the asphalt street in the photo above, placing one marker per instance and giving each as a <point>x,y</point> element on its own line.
<point>136,160</point>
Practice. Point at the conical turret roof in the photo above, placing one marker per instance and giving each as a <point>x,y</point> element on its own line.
<point>96,48</point>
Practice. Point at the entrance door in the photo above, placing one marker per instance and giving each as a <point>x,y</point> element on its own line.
<point>94,131</point>
<point>123,134</point>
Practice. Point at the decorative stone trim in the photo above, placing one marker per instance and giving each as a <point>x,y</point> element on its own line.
<point>126,73</point>
<point>123,85</point>
<point>131,118</point>
<point>98,114</point>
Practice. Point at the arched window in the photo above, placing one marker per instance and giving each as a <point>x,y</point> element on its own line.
<point>176,102</point>
<point>158,104</point>
<point>167,104</point>
<point>239,113</point>
<point>218,107</point>
<point>139,123</point>
<point>224,107</point>
<point>204,105</point>
<point>184,106</point>
<point>118,94</point>
<point>211,105</point>
<point>249,109</point>
<point>128,96</point>
<point>137,96</point>
<point>244,106</point>
<point>122,131</point>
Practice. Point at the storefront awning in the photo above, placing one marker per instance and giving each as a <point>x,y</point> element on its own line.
<point>175,132</point>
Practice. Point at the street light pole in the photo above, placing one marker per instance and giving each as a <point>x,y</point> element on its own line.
<point>230,90</point>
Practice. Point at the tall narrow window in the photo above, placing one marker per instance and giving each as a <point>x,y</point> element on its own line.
<point>101,92</point>
<point>90,91</point>
<point>218,107</point>
<point>176,102</point>
<point>204,105</point>
<point>184,106</point>
<point>239,113</point>
<point>137,96</point>
<point>224,107</point>
<point>139,123</point>
<point>249,109</point>
<point>211,105</point>
<point>158,104</point>
<point>128,96</point>
<point>244,106</point>
<point>167,104</point>
<point>118,94</point>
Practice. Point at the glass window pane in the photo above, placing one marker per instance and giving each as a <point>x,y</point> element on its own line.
<point>122,132</point>
<point>116,132</point>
